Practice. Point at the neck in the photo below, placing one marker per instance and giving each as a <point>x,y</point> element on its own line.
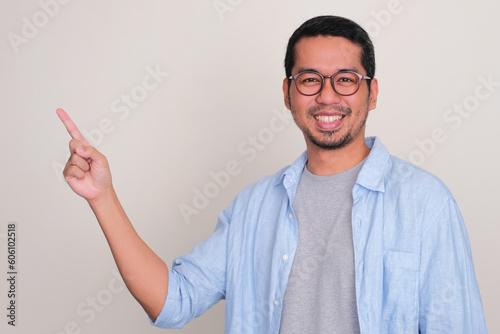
<point>329,162</point>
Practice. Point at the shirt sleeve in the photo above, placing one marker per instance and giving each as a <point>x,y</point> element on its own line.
<point>449,294</point>
<point>197,280</point>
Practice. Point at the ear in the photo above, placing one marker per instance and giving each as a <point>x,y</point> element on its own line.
<point>373,94</point>
<point>286,93</point>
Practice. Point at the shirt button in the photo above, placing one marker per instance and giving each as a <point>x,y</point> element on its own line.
<point>290,216</point>
<point>285,257</point>
<point>276,303</point>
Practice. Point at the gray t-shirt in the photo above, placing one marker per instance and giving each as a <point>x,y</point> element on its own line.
<point>320,295</point>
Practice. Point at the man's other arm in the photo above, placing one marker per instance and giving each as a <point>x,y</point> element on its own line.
<point>449,294</point>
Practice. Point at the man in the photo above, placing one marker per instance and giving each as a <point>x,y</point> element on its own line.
<point>348,239</point>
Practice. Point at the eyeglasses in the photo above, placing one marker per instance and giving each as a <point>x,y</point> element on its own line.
<point>344,83</point>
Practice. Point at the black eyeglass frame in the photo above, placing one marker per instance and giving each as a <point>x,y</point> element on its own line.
<point>360,76</point>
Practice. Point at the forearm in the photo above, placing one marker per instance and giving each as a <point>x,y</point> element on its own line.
<point>144,273</point>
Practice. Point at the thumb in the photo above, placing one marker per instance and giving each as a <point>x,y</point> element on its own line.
<point>90,154</point>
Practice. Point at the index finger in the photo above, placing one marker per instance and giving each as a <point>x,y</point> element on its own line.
<point>71,127</point>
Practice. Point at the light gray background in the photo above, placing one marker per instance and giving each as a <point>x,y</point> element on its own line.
<point>224,86</point>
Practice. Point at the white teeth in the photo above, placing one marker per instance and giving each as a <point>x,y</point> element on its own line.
<point>327,119</point>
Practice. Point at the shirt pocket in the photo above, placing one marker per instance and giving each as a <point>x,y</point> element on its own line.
<point>400,287</point>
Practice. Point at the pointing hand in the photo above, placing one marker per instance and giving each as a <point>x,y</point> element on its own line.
<point>87,170</point>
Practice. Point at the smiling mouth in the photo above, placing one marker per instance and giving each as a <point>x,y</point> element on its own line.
<point>328,119</point>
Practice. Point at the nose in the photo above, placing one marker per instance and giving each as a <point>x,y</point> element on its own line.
<point>327,95</point>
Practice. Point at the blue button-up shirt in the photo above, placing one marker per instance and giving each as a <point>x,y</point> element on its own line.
<point>413,263</point>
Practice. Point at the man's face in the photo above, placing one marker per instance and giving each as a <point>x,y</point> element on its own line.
<point>329,120</point>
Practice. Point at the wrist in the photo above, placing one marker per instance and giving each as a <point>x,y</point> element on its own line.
<point>105,199</point>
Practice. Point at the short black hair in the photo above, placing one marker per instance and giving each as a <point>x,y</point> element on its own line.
<point>337,26</point>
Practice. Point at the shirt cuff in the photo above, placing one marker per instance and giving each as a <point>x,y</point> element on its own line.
<point>171,306</point>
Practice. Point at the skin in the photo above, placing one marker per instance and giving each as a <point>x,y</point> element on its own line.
<point>337,146</point>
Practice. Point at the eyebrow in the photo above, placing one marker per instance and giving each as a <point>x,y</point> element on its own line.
<point>304,69</point>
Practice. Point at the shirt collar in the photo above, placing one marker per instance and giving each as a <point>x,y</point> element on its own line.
<point>291,174</point>
<point>371,175</point>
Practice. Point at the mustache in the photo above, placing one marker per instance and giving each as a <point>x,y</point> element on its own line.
<point>343,109</point>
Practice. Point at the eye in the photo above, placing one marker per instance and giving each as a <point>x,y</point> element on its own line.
<point>346,79</point>
<point>309,79</point>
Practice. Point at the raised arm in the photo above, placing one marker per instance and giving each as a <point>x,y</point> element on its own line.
<point>87,173</point>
